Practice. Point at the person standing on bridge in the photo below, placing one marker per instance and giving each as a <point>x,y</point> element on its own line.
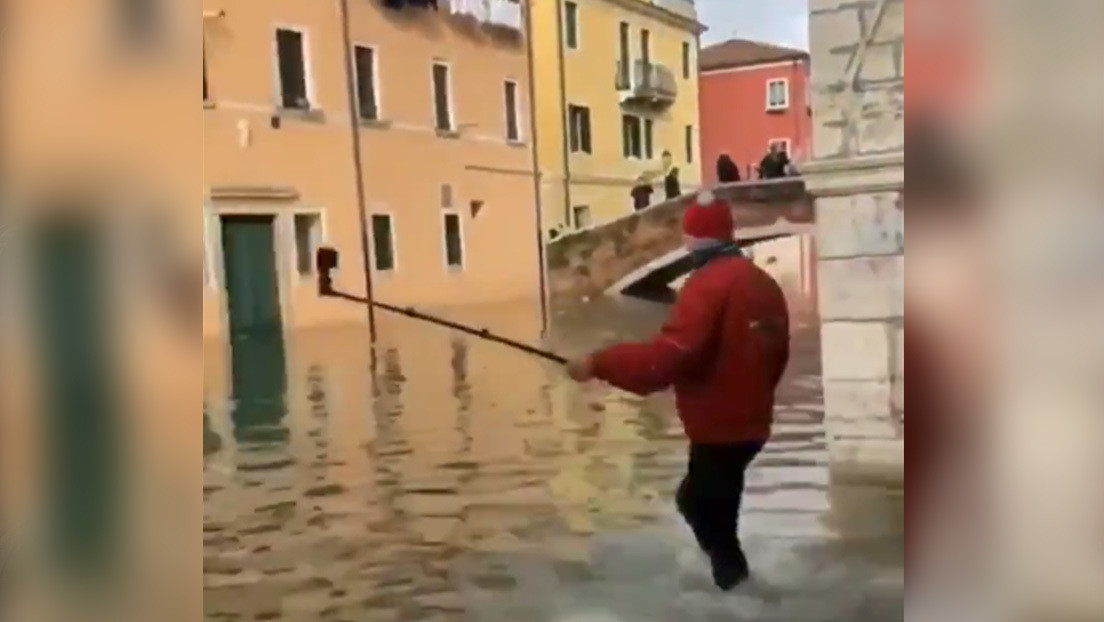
<point>724,348</point>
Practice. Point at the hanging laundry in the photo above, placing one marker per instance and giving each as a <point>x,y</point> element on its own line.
<point>479,9</point>
<point>506,13</point>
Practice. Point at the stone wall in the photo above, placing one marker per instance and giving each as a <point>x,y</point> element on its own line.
<point>857,177</point>
<point>588,262</point>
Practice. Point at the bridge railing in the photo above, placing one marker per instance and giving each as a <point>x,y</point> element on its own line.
<point>587,262</point>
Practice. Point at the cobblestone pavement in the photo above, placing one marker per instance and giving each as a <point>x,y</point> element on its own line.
<point>471,482</point>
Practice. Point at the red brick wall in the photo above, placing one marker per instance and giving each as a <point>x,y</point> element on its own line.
<point>734,117</point>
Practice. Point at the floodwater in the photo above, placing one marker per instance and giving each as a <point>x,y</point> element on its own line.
<point>468,481</point>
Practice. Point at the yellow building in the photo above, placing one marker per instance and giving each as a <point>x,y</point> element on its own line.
<point>615,86</point>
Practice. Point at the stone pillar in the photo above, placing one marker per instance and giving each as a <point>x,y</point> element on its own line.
<point>857,178</point>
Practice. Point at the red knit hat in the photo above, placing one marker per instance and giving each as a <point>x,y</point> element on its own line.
<point>708,218</point>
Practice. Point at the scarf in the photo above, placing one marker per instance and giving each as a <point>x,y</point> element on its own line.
<point>704,251</point>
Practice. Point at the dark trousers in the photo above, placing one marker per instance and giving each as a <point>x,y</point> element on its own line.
<point>710,495</point>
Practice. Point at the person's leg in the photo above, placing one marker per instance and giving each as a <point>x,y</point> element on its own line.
<point>691,511</point>
<point>743,455</point>
<point>729,465</point>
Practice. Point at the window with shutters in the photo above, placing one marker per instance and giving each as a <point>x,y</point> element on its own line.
<point>778,94</point>
<point>366,82</point>
<point>579,122</point>
<point>631,144</point>
<point>454,241</point>
<point>442,97</point>
<point>513,128</point>
<point>383,242</point>
<point>689,144</point>
<point>291,60</point>
<point>571,25</point>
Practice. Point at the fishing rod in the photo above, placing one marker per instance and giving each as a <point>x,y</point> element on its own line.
<point>327,261</point>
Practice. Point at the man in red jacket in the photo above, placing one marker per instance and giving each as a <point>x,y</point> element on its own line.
<point>724,348</point>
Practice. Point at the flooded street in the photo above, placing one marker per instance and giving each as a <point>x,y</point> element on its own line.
<point>468,481</point>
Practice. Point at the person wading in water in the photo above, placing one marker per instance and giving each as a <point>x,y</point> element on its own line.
<point>723,348</point>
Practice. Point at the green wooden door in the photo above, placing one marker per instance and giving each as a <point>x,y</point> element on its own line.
<point>255,327</point>
<point>83,427</point>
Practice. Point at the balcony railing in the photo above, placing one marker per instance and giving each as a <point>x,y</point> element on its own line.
<point>648,81</point>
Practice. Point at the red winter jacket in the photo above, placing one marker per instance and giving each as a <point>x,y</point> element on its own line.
<point>724,348</point>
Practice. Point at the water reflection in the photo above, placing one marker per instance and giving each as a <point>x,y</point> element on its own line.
<point>466,481</point>
<point>259,383</point>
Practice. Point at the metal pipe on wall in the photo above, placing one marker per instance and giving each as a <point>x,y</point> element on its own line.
<point>354,124</point>
<point>538,183</point>
<point>563,110</point>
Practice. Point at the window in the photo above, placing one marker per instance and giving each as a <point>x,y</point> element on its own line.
<point>205,97</point>
<point>581,215</point>
<point>624,67</point>
<point>571,25</point>
<point>367,102</point>
<point>579,120</point>
<point>686,60</point>
<point>778,94</point>
<point>291,57</point>
<point>689,144</point>
<point>383,242</point>
<point>630,136</point>
<point>645,47</point>
<point>442,97</point>
<point>513,131</point>
<point>308,237</point>
<point>648,138</point>
<point>454,243</point>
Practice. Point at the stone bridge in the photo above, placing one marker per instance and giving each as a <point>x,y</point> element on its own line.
<point>646,247</point>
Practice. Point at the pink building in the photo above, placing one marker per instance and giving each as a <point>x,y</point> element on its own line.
<point>751,95</point>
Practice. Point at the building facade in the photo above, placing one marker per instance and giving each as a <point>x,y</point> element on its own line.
<point>616,87</point>
<point>857,175</point>
<point>753,95</point>
<point>396,132</point>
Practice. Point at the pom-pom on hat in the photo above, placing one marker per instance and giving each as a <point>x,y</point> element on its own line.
<point>708,218</point>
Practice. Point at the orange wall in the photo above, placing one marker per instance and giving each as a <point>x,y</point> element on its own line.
<point>735,121</point>
<point>404,161</point>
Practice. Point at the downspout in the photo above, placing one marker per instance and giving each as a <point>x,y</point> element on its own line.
<point>563,111</point>
<point>354,125</point>
<point>537,181</point>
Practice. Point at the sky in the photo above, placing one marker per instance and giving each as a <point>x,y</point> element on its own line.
<point>783,22</point>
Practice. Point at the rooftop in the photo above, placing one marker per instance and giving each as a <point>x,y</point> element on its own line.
<point>743,52</point>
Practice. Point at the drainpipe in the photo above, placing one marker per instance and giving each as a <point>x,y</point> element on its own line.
<point>563,111</point>
<point>537,182</point>
<point>354,125</point>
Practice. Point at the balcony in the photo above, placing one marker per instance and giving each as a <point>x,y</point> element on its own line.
<point>645,83</point>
